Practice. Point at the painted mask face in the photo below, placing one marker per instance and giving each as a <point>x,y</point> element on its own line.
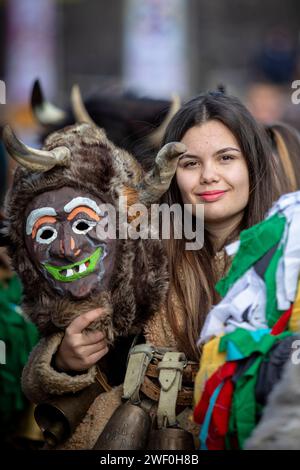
<point>62,240</point>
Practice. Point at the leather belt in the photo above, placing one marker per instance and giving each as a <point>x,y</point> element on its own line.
<point>152,391</point>
<point>188,375</point>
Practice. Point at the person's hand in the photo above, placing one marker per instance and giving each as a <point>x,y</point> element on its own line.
<point>80,350</point>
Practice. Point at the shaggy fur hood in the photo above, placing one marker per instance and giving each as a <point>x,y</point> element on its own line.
<point>139,281</point>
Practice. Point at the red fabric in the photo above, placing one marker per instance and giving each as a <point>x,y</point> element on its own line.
<point>220,415</point>
<point>221,412</point>
<point>282,322</point>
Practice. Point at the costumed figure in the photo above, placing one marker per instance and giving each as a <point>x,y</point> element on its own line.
<point>54,215</point>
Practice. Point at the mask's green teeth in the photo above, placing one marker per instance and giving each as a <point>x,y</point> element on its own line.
<point>77,270</point>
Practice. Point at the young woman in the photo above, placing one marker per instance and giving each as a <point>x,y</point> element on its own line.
<point>229,168</point>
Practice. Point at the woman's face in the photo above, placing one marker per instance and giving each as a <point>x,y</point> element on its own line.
<point>213,172</point>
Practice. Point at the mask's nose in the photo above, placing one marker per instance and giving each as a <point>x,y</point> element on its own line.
<point>65,245</point>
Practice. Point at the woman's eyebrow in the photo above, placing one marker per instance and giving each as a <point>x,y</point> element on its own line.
<point>227,149</point>
<point>189,155</point>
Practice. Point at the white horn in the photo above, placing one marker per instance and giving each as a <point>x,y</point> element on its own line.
<point>32,159</point>
<point>78,107</point>
<point>157,181</point>
<point>45,112</point>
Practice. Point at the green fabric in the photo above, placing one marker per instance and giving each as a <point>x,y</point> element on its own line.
<point>254,243</point>
<point>272,314</point>
<point>244,408</point>
<point>233,353</point>
<point>19,337</point>
<point>247,344</point>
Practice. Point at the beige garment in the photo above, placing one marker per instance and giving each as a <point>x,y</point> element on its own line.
<point>40,380</point>
<point>158,330</point>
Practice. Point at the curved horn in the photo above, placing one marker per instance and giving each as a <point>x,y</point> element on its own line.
<point>157,181</point>
<point>45,112</point>
<point>155,138</point>
<point>32,159</point>
<point>78,107</point>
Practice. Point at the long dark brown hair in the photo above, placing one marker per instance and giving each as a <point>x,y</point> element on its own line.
<point>285,142</point>
<point>193,274</point>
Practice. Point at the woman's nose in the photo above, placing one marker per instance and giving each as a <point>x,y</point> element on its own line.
<point>209,173</point>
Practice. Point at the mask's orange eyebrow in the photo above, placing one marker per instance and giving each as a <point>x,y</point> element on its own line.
<point>85,209</point>
<point>46,219</point>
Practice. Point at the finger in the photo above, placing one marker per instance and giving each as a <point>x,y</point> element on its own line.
<point>97,356</point>
<point>88,351</point>
<point>92,337</point>
<point>83,321</point>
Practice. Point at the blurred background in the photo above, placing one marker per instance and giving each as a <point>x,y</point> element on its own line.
<point>152,47</point>
<point>136,49</point>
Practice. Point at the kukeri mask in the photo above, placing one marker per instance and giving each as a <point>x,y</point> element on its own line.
<point>63,242</point>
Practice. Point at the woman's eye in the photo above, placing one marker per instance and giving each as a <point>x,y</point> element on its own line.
<point>46,234</point>
<point>226,158</point>
<point>83,226</point>
<point>191,164</point>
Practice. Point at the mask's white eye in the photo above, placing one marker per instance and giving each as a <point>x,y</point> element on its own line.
<point>83,226</point>
<point>46,234</point>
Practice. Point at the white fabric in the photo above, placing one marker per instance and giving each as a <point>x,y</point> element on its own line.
<point>288,269</point>
<point>233,248</point>
<point>285,204</point>
<point>245,303</point>
<point>246,297</point>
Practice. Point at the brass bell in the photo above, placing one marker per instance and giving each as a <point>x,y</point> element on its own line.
<point>27,427</point>
<point>59,417</point>
<point>170,439</point>
<point>127,429</point>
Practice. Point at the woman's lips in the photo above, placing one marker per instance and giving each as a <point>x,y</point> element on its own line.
<point>211,196</point>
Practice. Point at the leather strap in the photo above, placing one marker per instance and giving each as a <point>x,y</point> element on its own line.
<point>102,380</point>
<point>140,357</point>
<point>189,372</point>
<point>152,391</point>
<point>170,379</point>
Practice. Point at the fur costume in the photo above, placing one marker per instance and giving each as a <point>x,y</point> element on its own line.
<point>40,381</point>
<point>139,282</point>
<point>88,162</point>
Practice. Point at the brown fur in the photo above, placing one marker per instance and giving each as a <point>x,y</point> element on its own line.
<point>139,281</point>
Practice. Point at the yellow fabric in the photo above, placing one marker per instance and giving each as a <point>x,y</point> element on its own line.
<point>294,323</point>
<point>210,361</point>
